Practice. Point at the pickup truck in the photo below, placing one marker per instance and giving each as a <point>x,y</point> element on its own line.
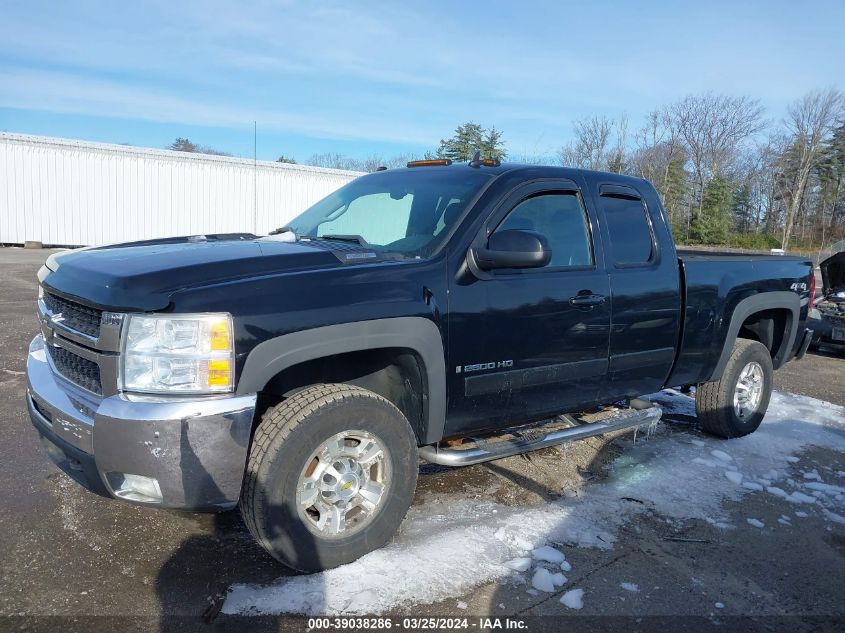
<point>450,312</point>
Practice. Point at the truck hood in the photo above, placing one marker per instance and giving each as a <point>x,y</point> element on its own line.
<point>141,276</point>
<point>833,276</point>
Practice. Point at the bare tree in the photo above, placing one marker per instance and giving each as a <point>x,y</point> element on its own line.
<point>713,170</point>
<point>336,160</point>
<point>617,160</point>
<point>810,121</point>
<point>713,129</point>
<point>659,156</point>
<point>591,148</point>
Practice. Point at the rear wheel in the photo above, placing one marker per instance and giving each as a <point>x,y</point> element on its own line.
<point>735,404</point>
<point>330,476</point>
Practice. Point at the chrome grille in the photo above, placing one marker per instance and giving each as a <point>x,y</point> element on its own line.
<point>76,369</point>
<point>75,316</point>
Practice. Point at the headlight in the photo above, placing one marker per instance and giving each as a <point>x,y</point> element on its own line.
<point>178,354</point>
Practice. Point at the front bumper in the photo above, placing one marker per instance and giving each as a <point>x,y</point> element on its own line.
<point>825,331</point>
<point>194,448</point>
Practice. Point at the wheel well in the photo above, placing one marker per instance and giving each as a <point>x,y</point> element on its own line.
<point>396,374</point>
<point>769,327</point>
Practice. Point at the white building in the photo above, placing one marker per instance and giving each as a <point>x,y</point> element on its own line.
<point>74,193</point>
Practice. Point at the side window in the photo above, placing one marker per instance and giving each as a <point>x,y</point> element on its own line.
<point>392,215</point>
<point>561,218</point>
<point>631,241</point>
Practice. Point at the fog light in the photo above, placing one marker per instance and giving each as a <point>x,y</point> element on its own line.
<point>139,488</point>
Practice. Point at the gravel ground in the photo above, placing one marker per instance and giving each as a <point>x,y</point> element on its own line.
<point>66,552</point>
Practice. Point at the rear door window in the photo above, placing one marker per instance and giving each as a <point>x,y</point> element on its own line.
<point>629,229</point>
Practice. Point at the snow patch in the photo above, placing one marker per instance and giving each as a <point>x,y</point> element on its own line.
<point>800,497</point>
<point>574,599</point>
<point>543,580</point>
<point>734,476</point>
<point>756,523</point>
<point>518,564</point>
<point>832,516</point>
<point>826,488</point>
<point>629,586</point>
<point>721,455</point>
<point>778,492</point>
<point>548,554</point>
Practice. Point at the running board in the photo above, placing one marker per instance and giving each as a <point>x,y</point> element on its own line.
<point>486,450</point>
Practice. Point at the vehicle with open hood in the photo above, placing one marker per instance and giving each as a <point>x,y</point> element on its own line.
<point>828,319</point>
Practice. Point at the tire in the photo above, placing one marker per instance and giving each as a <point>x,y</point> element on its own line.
<point>283,457</point>
<point>714,401</point>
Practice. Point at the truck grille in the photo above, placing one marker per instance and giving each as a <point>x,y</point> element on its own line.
<point>75,315</point>
<point>76,369</point>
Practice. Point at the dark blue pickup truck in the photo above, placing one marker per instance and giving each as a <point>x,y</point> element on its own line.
<point>450,312</point>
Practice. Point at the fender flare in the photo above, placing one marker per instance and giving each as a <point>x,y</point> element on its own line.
<point>781,300</point>
<point>418,334</point>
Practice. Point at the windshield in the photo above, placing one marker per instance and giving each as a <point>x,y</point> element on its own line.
<point>407,212</point>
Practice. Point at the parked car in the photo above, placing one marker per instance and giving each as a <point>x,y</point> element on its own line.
<point>827,320</point>
<point>442,311</point>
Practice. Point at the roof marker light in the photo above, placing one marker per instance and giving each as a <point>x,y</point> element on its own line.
<point>431,162</point>
<point>477,161</point>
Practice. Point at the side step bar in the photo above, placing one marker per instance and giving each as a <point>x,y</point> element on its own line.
<point>486,450</point>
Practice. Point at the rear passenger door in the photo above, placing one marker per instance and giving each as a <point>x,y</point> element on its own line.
<point>644,289</point>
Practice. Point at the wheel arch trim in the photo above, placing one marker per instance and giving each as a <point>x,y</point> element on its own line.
<point>780,300</point>
<point>418,334</point>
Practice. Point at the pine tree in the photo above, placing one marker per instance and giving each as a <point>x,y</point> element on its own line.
<point>831,175</point>
<point>492,145</point>
<point>470,138</point>
<point>742,209</point>
<point>674,190</point>
<point>711,225</point>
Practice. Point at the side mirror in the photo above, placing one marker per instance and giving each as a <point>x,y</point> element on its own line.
<point>514,249</point>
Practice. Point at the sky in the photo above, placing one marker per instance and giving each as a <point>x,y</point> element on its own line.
<point>387,78</point>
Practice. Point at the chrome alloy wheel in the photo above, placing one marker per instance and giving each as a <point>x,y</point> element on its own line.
<point>343,484</point>
<point>749,390</point>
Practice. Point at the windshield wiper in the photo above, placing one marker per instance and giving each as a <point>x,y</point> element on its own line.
<point>283,229</point>
<point>357,239</point>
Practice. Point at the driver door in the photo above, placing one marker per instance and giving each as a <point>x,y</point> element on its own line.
<point>529,343</point>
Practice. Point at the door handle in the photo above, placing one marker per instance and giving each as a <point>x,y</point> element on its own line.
<point>587,301</point>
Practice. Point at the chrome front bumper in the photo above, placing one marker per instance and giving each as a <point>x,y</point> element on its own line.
<point>195,449</point>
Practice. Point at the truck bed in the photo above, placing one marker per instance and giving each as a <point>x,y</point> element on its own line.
<point>713,284</point>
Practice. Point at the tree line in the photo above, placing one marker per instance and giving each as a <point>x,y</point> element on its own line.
<point>725,173</point>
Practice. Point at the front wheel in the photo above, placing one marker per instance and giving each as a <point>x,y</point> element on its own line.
<point>330,476</point>
<point>735,404</point>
